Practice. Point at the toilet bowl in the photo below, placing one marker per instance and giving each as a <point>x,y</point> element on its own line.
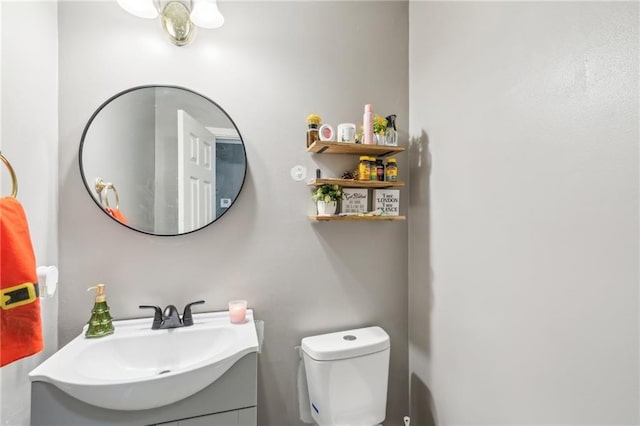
<point>347,375</point>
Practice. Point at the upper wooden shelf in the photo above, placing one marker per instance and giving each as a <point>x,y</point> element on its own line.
<point>326,147</point>
<point>354,183</point>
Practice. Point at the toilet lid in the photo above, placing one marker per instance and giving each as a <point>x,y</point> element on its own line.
<point>346,344</point>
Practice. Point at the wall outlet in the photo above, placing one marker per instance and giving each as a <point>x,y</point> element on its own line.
<point>225,202</point>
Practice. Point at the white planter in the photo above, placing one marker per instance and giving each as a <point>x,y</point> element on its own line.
<point>378,138</point>
<point>327,208</point>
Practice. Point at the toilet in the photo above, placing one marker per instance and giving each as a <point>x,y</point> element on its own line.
<point>347,374</point>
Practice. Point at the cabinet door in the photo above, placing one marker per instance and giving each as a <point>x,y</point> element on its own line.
<point>248,417</point>
<point>229,418</point>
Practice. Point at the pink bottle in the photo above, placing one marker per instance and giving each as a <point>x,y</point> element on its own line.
<point>367,121</point>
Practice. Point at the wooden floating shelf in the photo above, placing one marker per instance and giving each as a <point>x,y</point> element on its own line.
<point>327,147</point>
<point>355,217</point>
<point>353,183</point>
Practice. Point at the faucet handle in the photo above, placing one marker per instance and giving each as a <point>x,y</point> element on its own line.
<point>157,316</point>
<point>187,318</point>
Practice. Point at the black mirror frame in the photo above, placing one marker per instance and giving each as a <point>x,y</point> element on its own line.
<point>152,86</point>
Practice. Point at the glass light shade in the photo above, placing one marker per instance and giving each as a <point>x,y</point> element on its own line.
<point>175,21</point>
<point>205,14</point>
<point>140,8</point>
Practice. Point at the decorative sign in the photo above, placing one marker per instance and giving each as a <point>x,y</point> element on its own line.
<point>355,200</point>
<point>326,132</point>
<point>387,200</point>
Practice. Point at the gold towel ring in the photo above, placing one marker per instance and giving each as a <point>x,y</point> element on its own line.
<point>106,195</point>
<point>14,178</point>
<point>101,186</point>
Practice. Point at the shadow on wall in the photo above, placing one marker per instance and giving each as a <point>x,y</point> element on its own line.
<point>420,167</point>
<point>423,410</point>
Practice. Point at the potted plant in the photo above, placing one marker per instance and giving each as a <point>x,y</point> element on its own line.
<point>326,197</point>
<point>379,128</point>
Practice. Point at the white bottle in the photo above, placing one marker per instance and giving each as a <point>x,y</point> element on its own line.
<point>367,120</point>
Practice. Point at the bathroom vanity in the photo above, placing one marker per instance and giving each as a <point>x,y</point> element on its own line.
<point>205,374</point>
<point>229,401</point>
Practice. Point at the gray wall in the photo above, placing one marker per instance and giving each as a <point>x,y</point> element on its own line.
<point>265,68</point>
<point>29,139</point>
<point>524,213</point>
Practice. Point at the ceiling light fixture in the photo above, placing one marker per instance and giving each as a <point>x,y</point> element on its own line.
<point>179,17</point>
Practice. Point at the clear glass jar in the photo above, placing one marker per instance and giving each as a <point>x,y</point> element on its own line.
<point>312,134</point>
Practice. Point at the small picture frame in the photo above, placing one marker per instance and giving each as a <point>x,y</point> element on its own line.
<point>387,201</point>
<point>326,132</point>
<point>355,200</point>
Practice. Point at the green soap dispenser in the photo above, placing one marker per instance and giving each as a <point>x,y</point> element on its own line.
<point>100,323</point>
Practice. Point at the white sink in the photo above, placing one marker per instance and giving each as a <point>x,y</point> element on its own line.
<point>137,368</point>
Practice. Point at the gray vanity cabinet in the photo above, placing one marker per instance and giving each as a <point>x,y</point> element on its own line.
<point>229,401</point>
<point>245,417</point>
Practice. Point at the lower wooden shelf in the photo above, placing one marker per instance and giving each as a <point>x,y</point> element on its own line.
<point>354,217</point>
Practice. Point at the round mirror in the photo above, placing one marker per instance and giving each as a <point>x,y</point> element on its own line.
<point>162,160</point>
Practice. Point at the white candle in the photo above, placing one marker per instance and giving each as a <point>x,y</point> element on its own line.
<point>237,311</point>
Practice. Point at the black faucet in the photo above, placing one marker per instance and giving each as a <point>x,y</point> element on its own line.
<point>171,318</point>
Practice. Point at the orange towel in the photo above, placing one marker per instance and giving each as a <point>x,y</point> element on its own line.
<point>20,323</point>
<point>117,214</point>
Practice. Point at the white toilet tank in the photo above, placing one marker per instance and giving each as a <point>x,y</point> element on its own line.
<point>347,374</point>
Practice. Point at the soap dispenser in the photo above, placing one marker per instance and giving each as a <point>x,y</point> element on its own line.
<point>100,323</point>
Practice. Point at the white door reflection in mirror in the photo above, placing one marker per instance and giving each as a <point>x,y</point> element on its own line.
<point>196,173</point>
